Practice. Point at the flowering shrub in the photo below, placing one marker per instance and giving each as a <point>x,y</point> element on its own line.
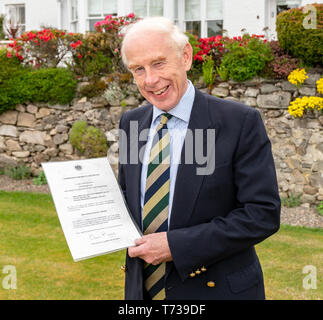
<point>45,48</point>
<point>282,64</point>
<point>113,24</point>
<point>319,84</point>
<point>247,56</point>
<point>209,47</point>
<point>299,106</point>
<point>92,54</point>
<point>297,77</point>
<point>97,53</point>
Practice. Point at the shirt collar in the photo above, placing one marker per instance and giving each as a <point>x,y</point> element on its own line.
<point>184,107</point>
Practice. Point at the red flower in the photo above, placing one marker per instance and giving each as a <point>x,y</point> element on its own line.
<point>9,55</point>
<point>79,56</point>
<point>131,15</point>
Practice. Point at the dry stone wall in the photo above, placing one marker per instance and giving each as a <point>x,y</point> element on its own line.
<point>35,133</point>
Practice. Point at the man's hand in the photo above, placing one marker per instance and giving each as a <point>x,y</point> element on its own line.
<point>153,248</point>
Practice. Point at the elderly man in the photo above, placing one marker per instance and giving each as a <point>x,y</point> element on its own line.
<point>199,226</point>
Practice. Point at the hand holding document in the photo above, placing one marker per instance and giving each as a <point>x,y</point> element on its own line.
<point>90,206</point>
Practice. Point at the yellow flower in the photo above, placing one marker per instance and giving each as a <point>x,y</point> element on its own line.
<point>319,84</point>
<point>297,77</point>
<point>298,106</point>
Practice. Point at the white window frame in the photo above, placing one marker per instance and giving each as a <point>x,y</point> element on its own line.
<point>16,6</point>
<point>181,22</point>
<point>148,8</point>
<point>101,15</point>
<point>73,20</point>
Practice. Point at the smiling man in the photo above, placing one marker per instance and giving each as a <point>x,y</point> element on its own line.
<point>199,230</point>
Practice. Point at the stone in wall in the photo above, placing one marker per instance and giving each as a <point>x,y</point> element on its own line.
<point>33,137</point>
<point>8,130</point>
<point>9,117</point>
<point>26,120</point>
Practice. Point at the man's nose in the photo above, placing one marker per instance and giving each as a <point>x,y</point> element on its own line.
<point>151,78</point>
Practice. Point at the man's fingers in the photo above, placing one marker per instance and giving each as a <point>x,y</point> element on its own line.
<point>139,241</point>
<point>136,251</point>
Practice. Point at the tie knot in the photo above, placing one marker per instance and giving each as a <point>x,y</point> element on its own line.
<point>165,117</point>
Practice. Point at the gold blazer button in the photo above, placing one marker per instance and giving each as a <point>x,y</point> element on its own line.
<point>203,269</point>
<point>211,284</point>
<point>197,271</point>
<point>192,275</point>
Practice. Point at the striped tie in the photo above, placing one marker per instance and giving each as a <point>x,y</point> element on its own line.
<point>155,210</point>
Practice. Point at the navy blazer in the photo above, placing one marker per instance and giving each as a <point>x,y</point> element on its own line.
<point>216,219</point>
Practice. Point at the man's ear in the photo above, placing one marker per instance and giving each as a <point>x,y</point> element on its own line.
<point>187,56</point>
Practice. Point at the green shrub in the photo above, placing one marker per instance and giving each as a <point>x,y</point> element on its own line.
<point>223,73</point>
<point>19,84</point>
<point>53,85</point>
<point>208,71</point>
<point>246,57</point>
<point>292,201</point>
<point>11,74</point>
<point>196,68</point>
<point>40,179</point>
<point>93,89</point>
<point>2,34</point>
<point>319,208</point>
<point>18,173</point>
<point>88,140</point>
<point>305,44</point>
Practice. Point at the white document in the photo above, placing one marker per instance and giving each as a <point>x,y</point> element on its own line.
<point>90,206</point>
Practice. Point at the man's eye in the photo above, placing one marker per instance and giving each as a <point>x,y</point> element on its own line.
<point>158,64</point>
<point>139,69</point>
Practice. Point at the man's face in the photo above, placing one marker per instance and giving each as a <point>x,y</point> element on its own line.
<point>158,69</point>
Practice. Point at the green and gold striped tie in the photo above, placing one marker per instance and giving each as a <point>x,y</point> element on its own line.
<point>155,210</point>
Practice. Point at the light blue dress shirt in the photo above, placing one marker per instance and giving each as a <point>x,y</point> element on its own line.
<point>177,127</point>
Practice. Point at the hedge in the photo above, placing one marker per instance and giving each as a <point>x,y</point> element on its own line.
<point>19,84</point>
<point>305,44</point>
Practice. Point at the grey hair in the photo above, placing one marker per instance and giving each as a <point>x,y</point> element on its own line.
<point>159,24</point>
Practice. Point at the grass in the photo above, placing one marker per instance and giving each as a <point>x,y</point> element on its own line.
<point>32,240</point>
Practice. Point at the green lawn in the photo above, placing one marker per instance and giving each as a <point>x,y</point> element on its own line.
<point>31,239</point>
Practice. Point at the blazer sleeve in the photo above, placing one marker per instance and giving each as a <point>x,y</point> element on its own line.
<point>257,213</point>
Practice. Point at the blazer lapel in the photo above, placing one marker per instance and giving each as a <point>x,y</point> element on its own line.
<point>188,182</point>
<point>144,123</point>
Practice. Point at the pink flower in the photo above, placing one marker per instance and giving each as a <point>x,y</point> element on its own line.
<point>9,55</point>
<point>131,15</point>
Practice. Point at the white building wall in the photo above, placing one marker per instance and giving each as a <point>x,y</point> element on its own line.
<point>40,12</point>
<point>246,14</point>
<point>37,12</point>
<point>305,2</point>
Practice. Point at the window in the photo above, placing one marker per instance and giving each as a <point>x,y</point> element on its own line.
<point>99,9</point>
<point>74,15</point>
<point>148,8</point>
<point>203,18</point>
<point>214,17</point>
<point>283,5</point>
<point>175,2</point>
<point>193,17</point>
<point>16,17</point>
